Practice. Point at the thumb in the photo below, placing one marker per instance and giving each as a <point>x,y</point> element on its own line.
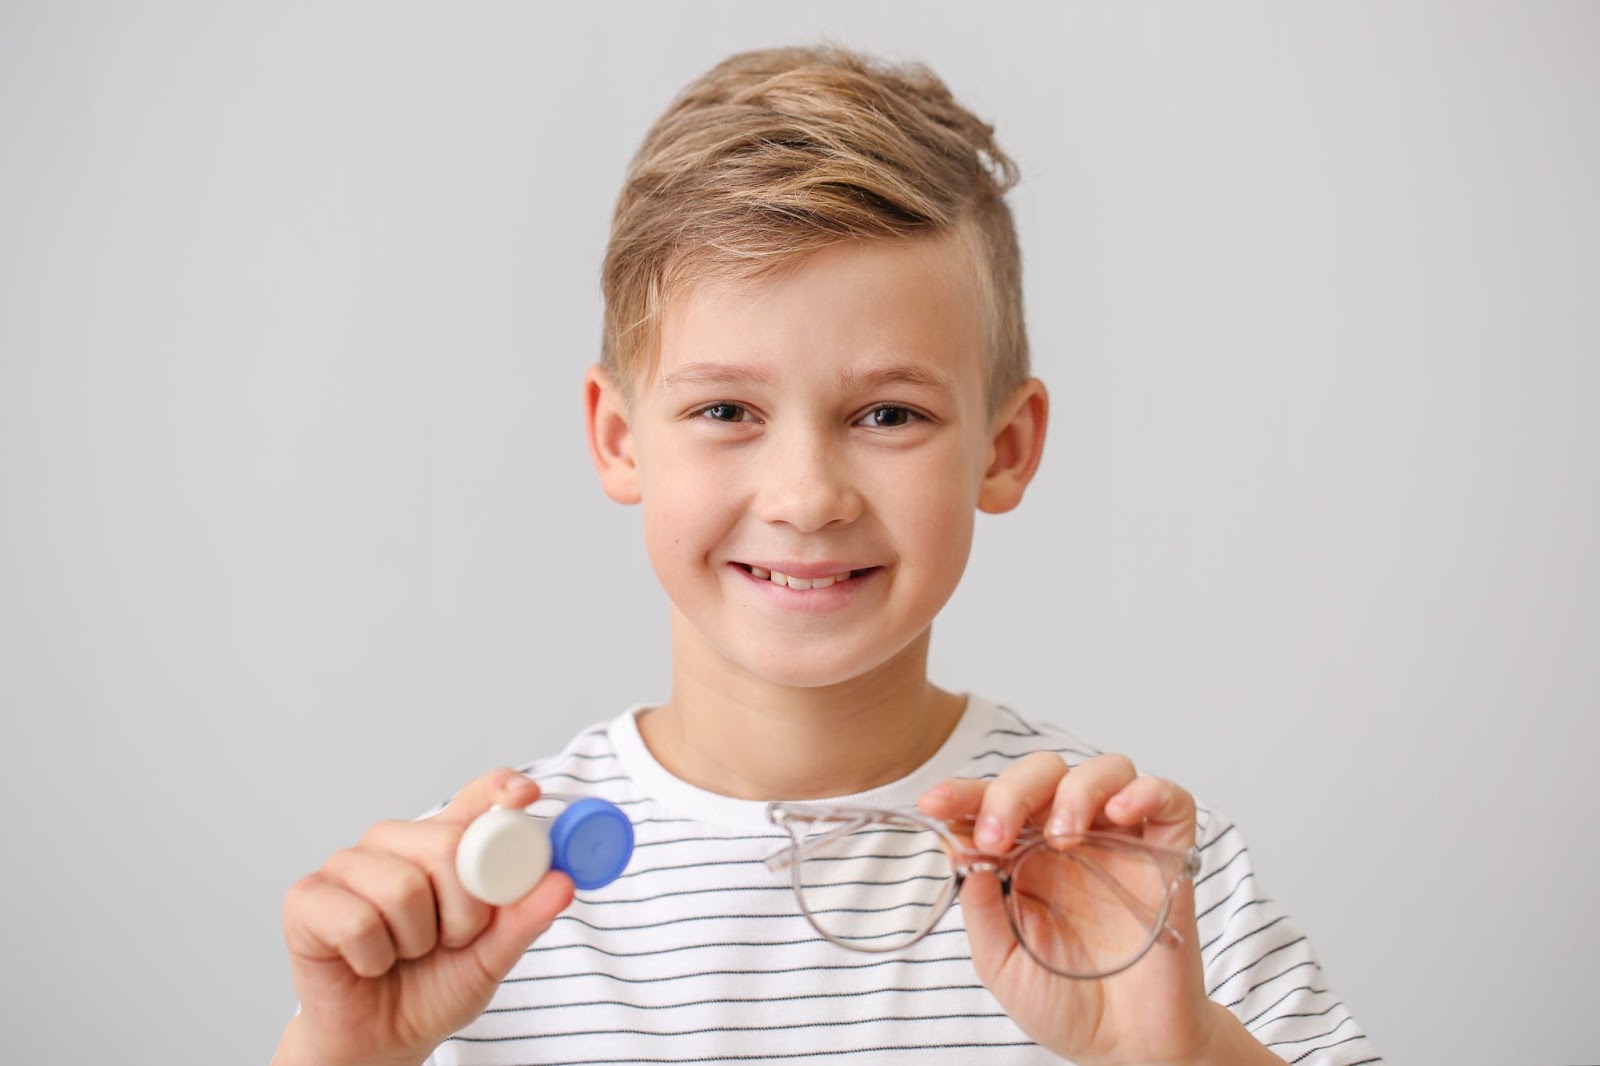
<point>517,925</point>
<point>504,786</point>
<point>989,934</point>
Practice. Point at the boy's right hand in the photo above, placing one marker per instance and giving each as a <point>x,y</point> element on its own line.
<point>388,953</point>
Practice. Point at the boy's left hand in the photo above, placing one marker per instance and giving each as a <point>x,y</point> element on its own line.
<point>1154,1012</point>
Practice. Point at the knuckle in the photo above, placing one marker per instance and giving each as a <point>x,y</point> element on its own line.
<point>1044,761</point>
<point>341,860</point>
<point>303,886</point>
<point>381,831</point>
<point>1111,765</point>
<point>463,924</point>
<point>359,925</point>
<point>297,900</point>
<point>408,888</point>
<point>1117,764</point>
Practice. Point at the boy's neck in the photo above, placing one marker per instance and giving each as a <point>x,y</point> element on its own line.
<point>737,735</point>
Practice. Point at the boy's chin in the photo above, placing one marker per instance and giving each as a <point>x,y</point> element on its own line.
<point>819,670</point>
<point>808,679</point>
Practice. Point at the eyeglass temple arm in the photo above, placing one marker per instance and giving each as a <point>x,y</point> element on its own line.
<point>789,854</point>
<point>781,859</point>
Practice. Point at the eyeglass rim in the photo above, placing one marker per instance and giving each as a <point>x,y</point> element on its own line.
<point>785,815</point>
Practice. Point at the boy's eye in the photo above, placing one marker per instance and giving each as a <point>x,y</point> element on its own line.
<point>725,412</point>
<point>887,416</point>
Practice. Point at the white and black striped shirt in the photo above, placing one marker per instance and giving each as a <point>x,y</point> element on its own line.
<point>698,953</point>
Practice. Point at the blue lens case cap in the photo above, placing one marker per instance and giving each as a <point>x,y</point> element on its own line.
<point>591,841</point>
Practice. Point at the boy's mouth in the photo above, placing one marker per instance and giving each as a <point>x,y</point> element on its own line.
<point>801,584</point>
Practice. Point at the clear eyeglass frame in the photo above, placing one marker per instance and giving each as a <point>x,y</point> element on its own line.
<point>815,828</point>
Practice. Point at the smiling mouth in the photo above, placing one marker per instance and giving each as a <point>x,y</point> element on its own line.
<point>802,584</point>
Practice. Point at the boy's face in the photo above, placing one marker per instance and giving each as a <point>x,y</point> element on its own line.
<point>830,427</point>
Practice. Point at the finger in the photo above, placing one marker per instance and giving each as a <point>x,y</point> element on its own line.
<point>1165,810</point>
<point>1165,814</point>
<point>400,890</point>
<point>431,846</point>
<point>1025,786</point>
<point>326,922</point>
<point>953,799</point>
<point>960,798</point>
<point>1081,796</point>
<point>504,786</point>
<point>517,925</point>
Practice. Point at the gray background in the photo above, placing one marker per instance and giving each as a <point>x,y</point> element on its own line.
<point>299,531</point>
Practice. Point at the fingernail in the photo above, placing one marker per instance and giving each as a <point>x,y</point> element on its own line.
<point>989,832</point>
<point>513,786</point>
<point>1058,827</point>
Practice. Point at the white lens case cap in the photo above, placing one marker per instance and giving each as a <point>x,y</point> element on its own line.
<point>502,855</point>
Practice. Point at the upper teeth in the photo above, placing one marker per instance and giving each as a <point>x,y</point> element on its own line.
<point>798,582</point>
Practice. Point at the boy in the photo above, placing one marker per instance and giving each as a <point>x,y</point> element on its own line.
<point>814,374</point>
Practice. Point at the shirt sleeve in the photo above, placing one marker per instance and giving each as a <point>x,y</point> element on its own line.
<point>1260,965</point>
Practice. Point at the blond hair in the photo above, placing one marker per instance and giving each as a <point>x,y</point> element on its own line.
<point>773,155</point>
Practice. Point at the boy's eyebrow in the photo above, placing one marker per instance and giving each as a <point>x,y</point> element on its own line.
<point>911,374</point>
<point>709,373</point>
<point>714,374</point>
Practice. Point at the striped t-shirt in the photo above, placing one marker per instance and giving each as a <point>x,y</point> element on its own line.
<point>699,954</point>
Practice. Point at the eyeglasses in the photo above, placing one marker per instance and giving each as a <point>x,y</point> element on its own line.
<point>1084,905</point>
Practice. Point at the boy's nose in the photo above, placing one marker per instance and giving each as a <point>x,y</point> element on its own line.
<point>807,486</point>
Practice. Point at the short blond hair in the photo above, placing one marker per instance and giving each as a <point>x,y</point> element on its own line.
<point>773,155</point>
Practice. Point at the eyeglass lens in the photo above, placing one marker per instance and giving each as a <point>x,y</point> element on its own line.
<point>1089,910</point>
<point>875,889</point>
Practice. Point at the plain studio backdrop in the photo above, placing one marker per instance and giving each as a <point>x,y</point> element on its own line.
<point>299,529</point>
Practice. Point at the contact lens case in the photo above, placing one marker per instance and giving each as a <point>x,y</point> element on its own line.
<point>506,850</point>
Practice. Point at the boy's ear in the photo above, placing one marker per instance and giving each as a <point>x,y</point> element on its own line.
<point>605,409</point>
<point>1016,442</point>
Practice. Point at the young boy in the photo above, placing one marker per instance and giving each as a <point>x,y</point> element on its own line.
<point>815,373</point>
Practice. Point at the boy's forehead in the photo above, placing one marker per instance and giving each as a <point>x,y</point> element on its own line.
<point>906,312</point>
